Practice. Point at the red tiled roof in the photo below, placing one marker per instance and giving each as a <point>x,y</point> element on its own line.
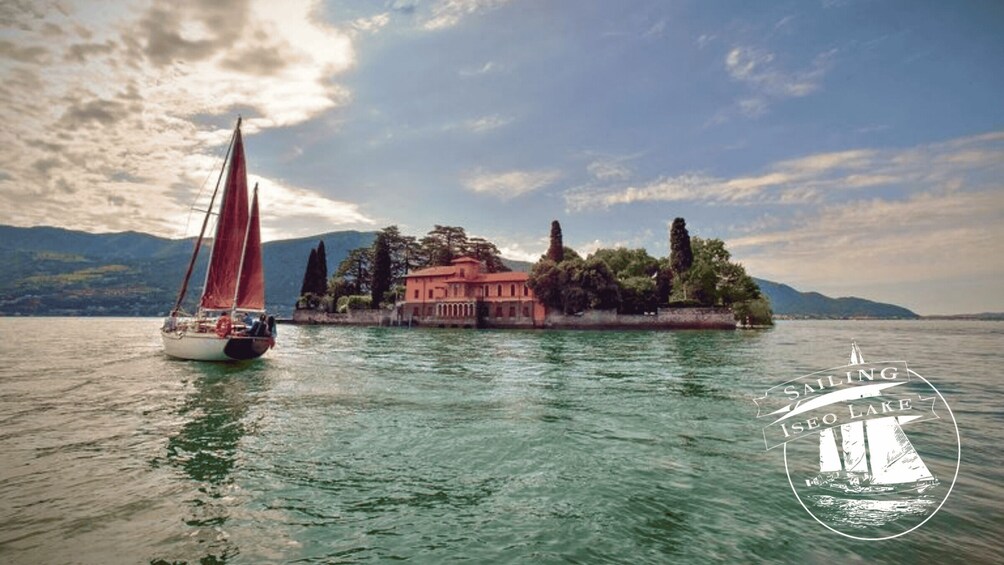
<point>433,272</point>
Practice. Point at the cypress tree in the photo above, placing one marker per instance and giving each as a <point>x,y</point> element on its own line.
<point>681,256</point>
<point>321,273</point>
<point>381,269</point>
<point>556,252</point>
<point>308,274</point>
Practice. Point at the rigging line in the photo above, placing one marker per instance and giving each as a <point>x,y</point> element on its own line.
<point>198,241</point>
<point>202,189</point>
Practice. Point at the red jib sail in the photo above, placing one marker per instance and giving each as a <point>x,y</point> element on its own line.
<point>251,295</point>
<point>225,263</point>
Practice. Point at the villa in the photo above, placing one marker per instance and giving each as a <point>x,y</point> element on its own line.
<point>463,294</point>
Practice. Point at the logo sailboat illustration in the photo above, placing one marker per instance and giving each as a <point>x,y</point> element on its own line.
<point>874,457</point>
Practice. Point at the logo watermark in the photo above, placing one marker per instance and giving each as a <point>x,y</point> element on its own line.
<point>849,459</point>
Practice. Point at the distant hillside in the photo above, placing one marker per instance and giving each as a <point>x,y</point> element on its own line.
<point>787,301</point>
<point>53,271</point>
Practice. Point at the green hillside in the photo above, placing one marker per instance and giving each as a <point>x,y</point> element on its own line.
<point>52,271</point>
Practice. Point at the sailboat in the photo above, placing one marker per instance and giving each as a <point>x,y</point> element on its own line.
<point>233,293</point>
<point>875,457</point>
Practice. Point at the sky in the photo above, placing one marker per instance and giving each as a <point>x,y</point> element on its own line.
<point>850,147</point>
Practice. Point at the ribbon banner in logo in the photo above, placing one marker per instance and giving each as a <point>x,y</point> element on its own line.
<point>811,403</point>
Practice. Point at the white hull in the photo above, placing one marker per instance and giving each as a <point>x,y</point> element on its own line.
<point>210,347</point>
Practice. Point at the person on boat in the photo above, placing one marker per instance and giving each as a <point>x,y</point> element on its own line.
<point>271,326</point>
<point>259,327</point>
<point>248,320</point>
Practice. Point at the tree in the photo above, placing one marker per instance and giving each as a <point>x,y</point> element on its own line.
<point>355,271</point>
<point>308,274</point>
<point>545,281</point>
<point>321,272</point>
<point>556,252</point>
<point>443,244</point>
<point>599,284</point>
<point>486,252</point>
<point>638,295</point>
<point>681,256</point>
<point>714,279</point>
<point>405,253</point>
<point>663,282</point>
<point>381,276</point>
<point>625,263</point>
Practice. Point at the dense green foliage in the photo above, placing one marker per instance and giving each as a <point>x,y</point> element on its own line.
<point>634,282</point>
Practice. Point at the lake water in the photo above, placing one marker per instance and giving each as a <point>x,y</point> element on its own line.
<point>371,444</point>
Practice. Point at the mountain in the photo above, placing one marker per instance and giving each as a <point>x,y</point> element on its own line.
<point>54,271</point>
<point>786,301</point>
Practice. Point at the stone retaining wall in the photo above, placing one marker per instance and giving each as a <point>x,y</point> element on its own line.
<point>667,318</point>
<point>352,318</point>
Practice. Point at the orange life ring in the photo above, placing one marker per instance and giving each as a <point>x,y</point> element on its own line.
<point>223,326</point>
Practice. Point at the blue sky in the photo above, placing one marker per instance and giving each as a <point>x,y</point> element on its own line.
<point>850,147</point>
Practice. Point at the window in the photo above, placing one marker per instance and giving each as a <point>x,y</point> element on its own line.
<point>486,290</point>
<point>526,291</point>
<point>498,290</point>
<point>430,293</point>
<point>526,311</point>
<point>461,273</point>
<point>512,311</point>
<point>498,312</point>
<point>416,294</point>
<point>417,312</point>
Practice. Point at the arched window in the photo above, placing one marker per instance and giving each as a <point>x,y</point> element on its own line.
<point>498,289</point>
<point>512,290</point>
<point>526,290</point>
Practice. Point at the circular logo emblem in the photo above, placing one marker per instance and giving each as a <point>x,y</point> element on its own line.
<point>871,450</point>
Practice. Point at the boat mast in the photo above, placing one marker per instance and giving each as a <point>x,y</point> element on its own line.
<point>244,250</point>
<point>202,232</point>
<point>216,234</point>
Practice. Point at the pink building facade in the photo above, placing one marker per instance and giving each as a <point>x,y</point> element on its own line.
<point>463,294</point>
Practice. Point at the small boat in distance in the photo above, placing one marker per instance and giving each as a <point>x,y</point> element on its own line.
<point>229,324</point>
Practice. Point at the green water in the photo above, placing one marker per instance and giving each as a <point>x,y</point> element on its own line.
<point>373,444</point>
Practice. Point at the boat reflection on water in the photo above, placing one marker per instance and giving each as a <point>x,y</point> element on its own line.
<point>206,451</point>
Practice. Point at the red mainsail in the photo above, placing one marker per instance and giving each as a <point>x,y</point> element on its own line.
<point>251,295</point>
<point>225,263</point>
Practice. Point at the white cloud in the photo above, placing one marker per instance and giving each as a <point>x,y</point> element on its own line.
<point>371,24</point>
<point>815,178</point>
<point>289,212</point>
<point>608,169</point>
<point>510,184</point>
<point>766,81</point>
<point>448,13</point>
<point>928,237</point>
<point>705,39</point>
<point>114,114</point>
<point>482,70</point>
<point>487,123</point>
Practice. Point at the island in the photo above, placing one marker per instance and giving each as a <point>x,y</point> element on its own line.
<point>449,280</point>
